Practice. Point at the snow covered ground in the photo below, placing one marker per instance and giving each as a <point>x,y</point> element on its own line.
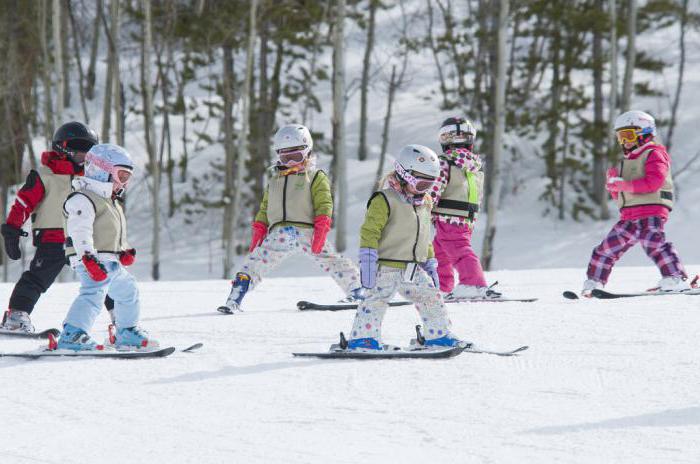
<point>602,382</point>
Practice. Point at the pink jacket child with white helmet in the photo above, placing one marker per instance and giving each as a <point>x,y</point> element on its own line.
<point>456,201</point>
<point>643,188</point>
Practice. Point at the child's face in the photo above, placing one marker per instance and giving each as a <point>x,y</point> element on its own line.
<point>79,157</point>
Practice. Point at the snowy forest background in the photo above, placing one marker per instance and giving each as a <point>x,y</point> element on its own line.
<point>195,89</point>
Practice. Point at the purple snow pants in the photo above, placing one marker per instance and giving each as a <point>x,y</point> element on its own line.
<point>453,250</point>
<point>649,232</point>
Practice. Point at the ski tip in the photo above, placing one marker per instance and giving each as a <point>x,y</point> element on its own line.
<point>193,348</point>
<point>569,295</point>
<point>49,332</point>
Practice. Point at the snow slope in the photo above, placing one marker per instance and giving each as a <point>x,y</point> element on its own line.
<point>603,382</point>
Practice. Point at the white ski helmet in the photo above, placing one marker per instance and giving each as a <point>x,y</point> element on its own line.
<point>456,131</point>
<point>106,162</point>
<point>294,143</point>
<point>643,122</point>
<point>417,159</point>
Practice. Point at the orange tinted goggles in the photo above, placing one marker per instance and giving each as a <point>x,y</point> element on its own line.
<point>627,135</point>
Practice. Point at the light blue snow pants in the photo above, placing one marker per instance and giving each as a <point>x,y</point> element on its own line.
<point>122,289</point>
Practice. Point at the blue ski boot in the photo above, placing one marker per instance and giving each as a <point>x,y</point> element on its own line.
<point>73,338</point>
<point>134,337</point>
<point>364,344</point>
<point>239,288</point>
<point>356,344</point>
<point>446,341</point>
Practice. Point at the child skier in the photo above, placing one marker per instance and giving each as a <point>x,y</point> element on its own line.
<point>294,217</point>
<point>97,248</point>
<point>643,188</point>
<point>457,197</point>
<point>396,253</point>
<point>41,198</point>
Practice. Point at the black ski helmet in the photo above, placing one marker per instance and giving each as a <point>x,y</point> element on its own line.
<point>457,132</point>
<point>73,136</point>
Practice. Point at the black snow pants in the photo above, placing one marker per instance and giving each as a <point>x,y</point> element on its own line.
<point>48,262</point>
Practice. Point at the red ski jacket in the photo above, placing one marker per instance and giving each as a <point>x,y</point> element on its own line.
<point>32,194</point>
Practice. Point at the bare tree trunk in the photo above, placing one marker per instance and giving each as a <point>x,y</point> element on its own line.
<point>118,96</point>
<point>600,137</point>
<point>65,64</point>
<point>681,74</point>
<point>612,7</point>
<point>78,61</point>
<point>339,125</point>
<point>308,83</point>
<point>364,90</point>
<point>3,212</point>
<point>58,60</point>
<point>627,86</point>
<point>147,94</point>
<point>436,58</point>
<point>90,84</point>
<point>498,131</point>
<point>107,106</point>
<point>385,130</point>
<point>49,123</point>
<point>227,232</point>
<point>242,148</point>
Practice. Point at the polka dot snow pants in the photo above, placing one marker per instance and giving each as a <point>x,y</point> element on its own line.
<point>286,241</point>
<point>431,308</point>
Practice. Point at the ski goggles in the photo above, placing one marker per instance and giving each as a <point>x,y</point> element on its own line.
<point>419,183</point>
<point>628,135</point>
<point>456,137</point>
<point>292,156</point>
<point>120,178</point>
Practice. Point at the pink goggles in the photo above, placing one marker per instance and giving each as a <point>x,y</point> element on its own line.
<point>419,184</point>
<point>292,156</point>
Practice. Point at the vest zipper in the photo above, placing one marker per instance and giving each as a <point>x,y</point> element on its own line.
<point>119,218</point>
<point>284,200</point>
<point>415,245</point>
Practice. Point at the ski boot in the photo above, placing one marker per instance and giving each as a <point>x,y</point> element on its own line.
<point>589,285</point>
<point>355,296</point>
<point>673,284</point>
<point>239,288</point>
<point>73,338</point>
<point>446,341</point>
<point>134,338</point>
<point>473,292</point>
<point>356,344</point>
<point>17,321</point>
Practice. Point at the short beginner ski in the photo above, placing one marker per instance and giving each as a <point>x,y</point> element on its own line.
<point>477,350</point>
<point>42,334</point>
<point>605,295</point>
<point>309,306</point>
<point>393,353</point>
<point>416,350</point>
<point>112,354</point>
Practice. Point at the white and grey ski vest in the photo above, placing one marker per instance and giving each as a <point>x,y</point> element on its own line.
<point>636,169</point>
<point>289,198</point>
<point>109,228</point>
<point>407,235</point>
<point>462,194</point>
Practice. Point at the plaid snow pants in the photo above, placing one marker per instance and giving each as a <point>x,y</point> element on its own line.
<point>283,242</point>
<point>649,232</point>
<point>421,291</point>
